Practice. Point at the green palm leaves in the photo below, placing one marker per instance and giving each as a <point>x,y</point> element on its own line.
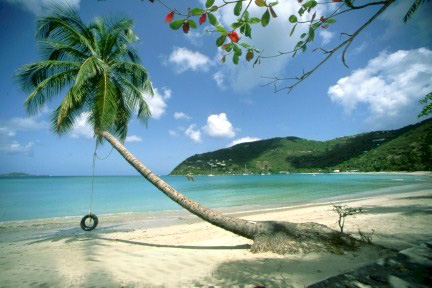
<point>95,66</point>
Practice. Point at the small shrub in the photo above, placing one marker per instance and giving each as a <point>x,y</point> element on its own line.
<point>343,211</point>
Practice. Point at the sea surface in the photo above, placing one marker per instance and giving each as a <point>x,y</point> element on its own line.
<point>30,198</point>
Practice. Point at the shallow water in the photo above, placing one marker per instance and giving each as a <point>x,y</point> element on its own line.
<point>29,198</point>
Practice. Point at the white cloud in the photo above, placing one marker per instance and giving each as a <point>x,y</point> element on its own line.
<point>193,133</point>
<point>219,78</point>
<point>243,140</point>
<point>181,115</point>
<point>157,102</point>
<point>219,126</point>
<point>133,138</point>
<point>389,86</point>
<point>9,128</point>
<point>270,39</point>
<point>184,59</point>
<point>40,7</point>
<point>82,128</point>
<point>172,132</point>
<point>326,36</point>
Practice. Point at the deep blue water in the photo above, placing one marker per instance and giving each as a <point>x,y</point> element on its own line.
<point>29,198</point>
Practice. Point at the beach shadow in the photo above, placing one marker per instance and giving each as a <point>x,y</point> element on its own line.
<point>415,197</point>
<point>243,246</point>
<point>289,271</point>
<point>408,210</point>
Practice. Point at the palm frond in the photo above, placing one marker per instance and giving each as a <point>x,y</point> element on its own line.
<point>47,89</point>
<point>104,110</point>
<point>61,52</point>
<point>416,4</point>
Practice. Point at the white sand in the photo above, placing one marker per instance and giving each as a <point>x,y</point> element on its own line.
<point>198,254</point>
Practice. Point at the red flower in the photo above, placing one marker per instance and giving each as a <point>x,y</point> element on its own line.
<point>233,36</point>
<point>185,27</point>
<point>322,19</point>
<point>336,0</point>
<point>203,18</point>
<point>169,17</point>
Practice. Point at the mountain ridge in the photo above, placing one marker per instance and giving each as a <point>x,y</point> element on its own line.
<point>405,149</point>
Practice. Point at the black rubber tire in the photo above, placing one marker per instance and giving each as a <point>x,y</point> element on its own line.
<point>95,222</point>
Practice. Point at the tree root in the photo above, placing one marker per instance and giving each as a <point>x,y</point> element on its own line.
<point>295,238</point>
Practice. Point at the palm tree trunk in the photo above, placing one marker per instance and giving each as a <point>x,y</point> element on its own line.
<point>279,237</point>
<point>238,226</point>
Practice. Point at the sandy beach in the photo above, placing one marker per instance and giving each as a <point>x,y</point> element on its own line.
<point>192,253</point>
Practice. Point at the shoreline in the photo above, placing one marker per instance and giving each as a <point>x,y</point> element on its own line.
<point>193,253</point>
<point>169,217</point>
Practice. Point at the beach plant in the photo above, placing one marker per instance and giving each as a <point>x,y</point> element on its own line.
<point>97,69</point>
<point>343,211</point>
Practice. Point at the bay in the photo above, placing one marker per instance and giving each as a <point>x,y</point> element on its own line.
<point>30,198</point>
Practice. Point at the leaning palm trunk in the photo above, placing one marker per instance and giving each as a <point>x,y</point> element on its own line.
<point>280,237</point>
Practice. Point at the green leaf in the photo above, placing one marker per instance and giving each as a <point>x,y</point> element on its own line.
<point>303,35</point>
<point>260,3</point>
<point>310,4</point>
<point>248,31</point>
<point>221,30</point>
<point>265,19</point>
<point>273,3</point>
<point>237,25</point>
<point>242,29</point>
<point>196,12</point>
<point>300,43</point>
<point>236,59</point>
<point>301,11</point>
<point>292,19</point>
<point>175,25</point>
<point>246,46</point>
<point>212,19</point>
<point>237,50</point>
<point>238,8</point>
<point>316,25</point>
<point>254,20</point>
<point>220,40</point>
<point>213,8</point>
<point>227,47</point>
<point>209,3</point>
<point>330,21</point>
<point>292,30</point>
<point>311,34</point>
<point>246,16</point>
<point>192,24</point>
<point>304,48</point>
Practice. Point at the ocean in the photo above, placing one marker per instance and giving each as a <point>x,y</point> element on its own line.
<point>30,198</point>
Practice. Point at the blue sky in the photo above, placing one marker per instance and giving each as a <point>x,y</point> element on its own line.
<point>202,105</point>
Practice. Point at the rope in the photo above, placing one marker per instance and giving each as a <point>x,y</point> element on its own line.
<point>95,156</point>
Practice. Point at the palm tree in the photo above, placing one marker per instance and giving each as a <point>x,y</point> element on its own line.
<point>100,73</point>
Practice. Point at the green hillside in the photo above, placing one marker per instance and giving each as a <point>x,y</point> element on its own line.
<point>405,149</point>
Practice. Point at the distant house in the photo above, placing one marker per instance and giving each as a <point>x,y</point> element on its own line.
<point>336,171</point>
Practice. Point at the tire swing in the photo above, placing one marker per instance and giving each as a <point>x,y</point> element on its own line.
<point>90,221</point>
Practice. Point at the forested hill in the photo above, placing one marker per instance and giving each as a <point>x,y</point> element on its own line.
<point>405,149</point>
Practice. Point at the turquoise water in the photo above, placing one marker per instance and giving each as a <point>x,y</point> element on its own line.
<point>30,198</point>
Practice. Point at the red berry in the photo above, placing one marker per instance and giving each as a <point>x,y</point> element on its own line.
<point>185,27</point>
<point>322,19</point>
<point>169,17</point>
<point>233,36</point>
<point>336,0</point>
<point>203,18</point>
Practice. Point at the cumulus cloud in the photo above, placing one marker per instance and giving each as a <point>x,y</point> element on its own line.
<point>193,133</point>
<point>82,128</point>
<point>389,86</point>
<point>184,59</point>
<point>271,39</point>
<point>243,140</point>
<point>9,146</point>
<point>157,102</point>
<point>219,126</point>
<point>181,116</point>
<point>326,36</point>
<point>133,138</point>
<point>40,7</point>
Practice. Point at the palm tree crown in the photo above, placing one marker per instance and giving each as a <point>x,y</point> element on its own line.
<point>97,68</point>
